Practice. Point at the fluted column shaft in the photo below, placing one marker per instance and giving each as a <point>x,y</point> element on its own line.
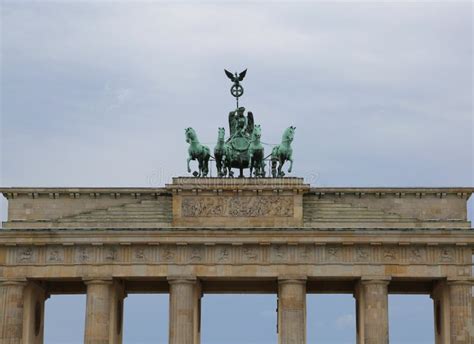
<point>97,327</point>
<point>375,312</point>
<point>11,311</point>
<point>183,317</point>
<point>460,297</point>
<point>292,311</point>
<point>34,297</point>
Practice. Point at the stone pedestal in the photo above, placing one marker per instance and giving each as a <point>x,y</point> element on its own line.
<point>460,312</point>
<point>33,318</point>
<point>373,311</point>
<point>291,311</point>
<point>11,316</point>
<point>184,306</point>
<point>104,313</point>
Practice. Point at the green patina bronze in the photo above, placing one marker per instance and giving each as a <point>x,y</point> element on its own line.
<point>243,148</point>
<point>257,153</point>
<point>198,152</point>
<point>282,153</point>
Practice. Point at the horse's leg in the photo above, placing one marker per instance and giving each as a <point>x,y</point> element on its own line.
<point>261,165</point>
<point>200,167</point>
<point>222,171</point>
<point>206,166</point>
<point>189,168</point>
<point>218,164</point>
<point>291,165</point>
<point>280,167</point>
<point>251,165</point>
<point>274,170</point>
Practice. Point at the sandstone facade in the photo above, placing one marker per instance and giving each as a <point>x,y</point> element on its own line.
<point>198,236</point>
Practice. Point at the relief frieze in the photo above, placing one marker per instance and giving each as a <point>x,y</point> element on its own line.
<point>417,254</point>
<point>446,255</point>
<point>140,254</point>
<point>196,254</point>
<point>333,253</point>
<point>251,254</point>
<point>168,254</point>
<point>279,253</point>
<point>237,206</point>
<point>55,254</point>
<point>222,254</point>
<point>362,253</point>
<point>390,254</point>
<point>84,255</point>
<point>26,255</point>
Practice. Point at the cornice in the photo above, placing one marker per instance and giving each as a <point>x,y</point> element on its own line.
<point>136,192</point>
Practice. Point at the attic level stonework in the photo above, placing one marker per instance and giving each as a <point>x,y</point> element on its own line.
<point>197,236</point>
<point>239,203</point>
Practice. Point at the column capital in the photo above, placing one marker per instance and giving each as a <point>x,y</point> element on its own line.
<point>13,281</point>
<point>292,279</point>
<point>187,279</point>
<point>384,280</point>
<point>97,280</point>
<point>467,282</point>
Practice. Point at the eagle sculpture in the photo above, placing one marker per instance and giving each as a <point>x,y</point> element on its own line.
<point>237,77</point>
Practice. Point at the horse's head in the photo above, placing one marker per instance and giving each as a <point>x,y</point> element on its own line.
<point>257,132</point>
<point>289,134</point>
<point>190,134</point>
<point>220,134</point>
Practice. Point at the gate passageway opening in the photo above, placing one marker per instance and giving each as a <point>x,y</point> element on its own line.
<point>411,319</point>
<point>239,318</point>
<point>64,319</point>
<point>331,318</point>
<point>145,318</point>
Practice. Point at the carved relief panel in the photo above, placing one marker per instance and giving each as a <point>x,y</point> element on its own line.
<point>55,255</point>
<point>237,206</point>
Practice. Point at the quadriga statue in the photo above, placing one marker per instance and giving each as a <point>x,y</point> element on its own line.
<point>243,148</point>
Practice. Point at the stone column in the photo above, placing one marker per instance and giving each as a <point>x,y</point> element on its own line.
<point>116,312</point>
<point>33,316</point>
<point>374,310</point>
<point>292,310</point>
<point>97,329</point>
<point>11,311</point>
<point>360,315</point>
<point>460,311</point>
<point>440,296</point>
<point>472,316</point>
<point>183,312</point>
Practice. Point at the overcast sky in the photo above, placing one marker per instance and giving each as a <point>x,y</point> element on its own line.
<point>99,93</point>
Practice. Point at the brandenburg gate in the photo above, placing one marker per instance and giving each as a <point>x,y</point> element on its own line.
<point>212,235</point>
<point>201,234</point>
